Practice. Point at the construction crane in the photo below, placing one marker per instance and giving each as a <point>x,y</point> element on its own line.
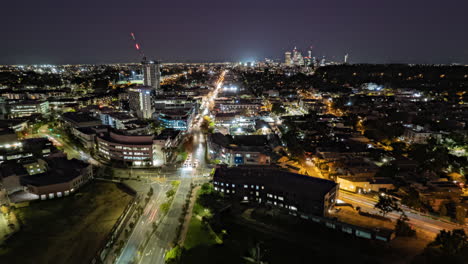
<point>138,47</point>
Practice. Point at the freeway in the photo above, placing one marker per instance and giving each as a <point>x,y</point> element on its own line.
<point>418,220</point>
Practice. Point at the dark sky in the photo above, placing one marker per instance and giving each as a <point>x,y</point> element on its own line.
<point>97,31</point>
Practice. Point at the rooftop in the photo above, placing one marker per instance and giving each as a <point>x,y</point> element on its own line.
<point>276,179</point>
<point>79,117</point>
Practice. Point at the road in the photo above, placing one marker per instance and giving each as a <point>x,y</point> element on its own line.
<point>144,226</point>
<point>71,151</point>
<point>154,252</point>
<point>418,220</point>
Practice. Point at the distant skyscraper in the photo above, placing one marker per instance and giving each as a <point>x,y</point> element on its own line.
<point>314,61</point>
<point>287,58</point>
<point>346,58</point>
<point>322,62</point>
<point>151,74</point>
<point>141,101</point>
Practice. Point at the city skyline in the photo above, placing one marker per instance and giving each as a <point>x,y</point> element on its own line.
<point>88,32</point>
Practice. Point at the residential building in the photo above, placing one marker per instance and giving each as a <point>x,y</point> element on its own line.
<point>140,101</point>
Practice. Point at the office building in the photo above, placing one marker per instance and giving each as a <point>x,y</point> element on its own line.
<point>287,58</point>
<point>264,185</point>
<point>240,150</point>
<point>179,119</point>
<point>27,108</point>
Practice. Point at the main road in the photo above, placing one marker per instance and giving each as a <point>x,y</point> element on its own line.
<point>142,249</point>
<point>418,220</point>
<point>143,228</point>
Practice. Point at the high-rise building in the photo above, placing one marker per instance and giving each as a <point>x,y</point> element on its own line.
<point>346,58</point>
<point>141,101</point>
<point>151,74</point>
<point>287,58</point>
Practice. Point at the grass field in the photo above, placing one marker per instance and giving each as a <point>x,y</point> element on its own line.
<point>200,234</point>
<point>67,230</point>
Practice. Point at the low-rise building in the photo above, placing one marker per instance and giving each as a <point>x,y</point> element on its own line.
<point>116,119</point>
<point>135,150</point>
<point>179,119</point>
<point>26,148</point>
<point>62,177</point>
<point>240,150</point>
<point>365,184</point>
<point>27,108</point>
<point>80,119</point>
<point>418,135</point>
<point>264,185</point>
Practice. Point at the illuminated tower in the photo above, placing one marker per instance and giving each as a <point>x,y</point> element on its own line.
<point>346,58</point>
<point>287,58</point>
<point>151,74</point>
<point>141,102</point>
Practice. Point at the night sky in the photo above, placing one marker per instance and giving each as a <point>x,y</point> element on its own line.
<point>98,31</point>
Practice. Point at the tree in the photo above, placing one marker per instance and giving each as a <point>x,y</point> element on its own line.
<point>256,254</point>
<point>278,109</point>
<point>443,210</point>
<point>460,214</point>
<point>402,227</point>
<point>170,193</point>
<point>451,243</point>
<point>387,204</point>
<point>150,192</point>
<point>173,255</point>
<point>387,171</point>
<point>412,199</point>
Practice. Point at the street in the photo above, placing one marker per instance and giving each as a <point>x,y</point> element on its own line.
<point>418,220</point>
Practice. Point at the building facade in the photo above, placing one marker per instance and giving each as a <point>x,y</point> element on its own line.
<point>151,74</point>
<point>140,101</point>
<point>268,186</point>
